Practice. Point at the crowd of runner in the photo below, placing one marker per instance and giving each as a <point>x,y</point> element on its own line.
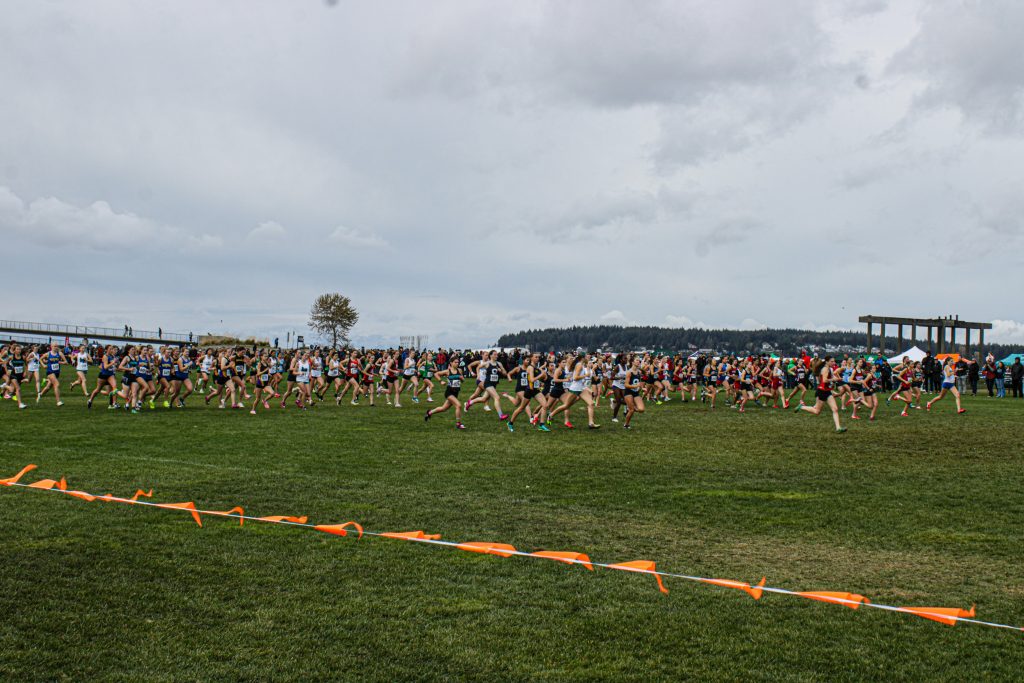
<point>545,388</point>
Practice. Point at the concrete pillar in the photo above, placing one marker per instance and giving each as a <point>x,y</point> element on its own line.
<point>899,336</point>
<point>881,340</point>
<point>869,339</point>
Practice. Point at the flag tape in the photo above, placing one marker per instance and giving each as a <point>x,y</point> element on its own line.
<point>945,615</point>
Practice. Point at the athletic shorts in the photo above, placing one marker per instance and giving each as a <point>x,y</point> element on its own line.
<point>291,376</point>
<point>556,392</point>
<point>452,392</point>
<point>948,385</point>
<point>530,393</point>
<point>822,395</point>
<point>220,380</point>
<point>181,376</point>
<point>55,373</point>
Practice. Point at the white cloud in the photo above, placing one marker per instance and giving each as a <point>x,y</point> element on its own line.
<point>56,223</point>
<point>751,324</point>
<point>1007,332</point>
<point>615,317</point>
<point>267,233</point>
<point>355,239</point>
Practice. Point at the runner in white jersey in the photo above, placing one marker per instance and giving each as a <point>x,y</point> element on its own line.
<point>579,390</point>
<point>81,367</point>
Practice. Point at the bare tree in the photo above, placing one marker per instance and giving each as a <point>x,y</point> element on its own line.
<point>333,316</point>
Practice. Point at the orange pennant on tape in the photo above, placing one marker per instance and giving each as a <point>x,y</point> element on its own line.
<point>282,518</point>
<point>568,558</point>
<point>80,494</point>
<point>501,549</point>
<point>11,480</point>
<point>851,600</point>
<point>140,492</point>
<point>340,529</point>
<point>752,591</point>
<point>643,567</point>
<point>228,513</point>
<point>189,506</point>
<point>48,484</point>
<point>943,615</point>
<point>411,535</point>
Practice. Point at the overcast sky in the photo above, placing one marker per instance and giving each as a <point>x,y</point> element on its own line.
<point>464,169</point>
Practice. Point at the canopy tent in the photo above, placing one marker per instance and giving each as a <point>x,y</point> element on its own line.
<point>913,353</point>
<point>943,356</point>
<point>1013,356</point>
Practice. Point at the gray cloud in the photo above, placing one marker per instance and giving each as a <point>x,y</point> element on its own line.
<point>551,163</point>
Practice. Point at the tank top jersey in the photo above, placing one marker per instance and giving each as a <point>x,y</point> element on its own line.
<point>82,362</point>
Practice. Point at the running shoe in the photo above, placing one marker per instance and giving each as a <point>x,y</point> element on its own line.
<point>167,404</point>
<point>840,430</point>
<point>961,411</point>
<point>593,426</point>
<point>511,428</point>
<point>568,425</point>
<point>543,428</point>
<point>88,404</point>
<point>627,426</point>
<point>252,412</point>
<point>60,403</point>
<point>459,425</point>
<point>427,416</point>
<point>615,419</point>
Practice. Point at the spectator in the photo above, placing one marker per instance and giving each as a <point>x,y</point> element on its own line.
<point>928,368</point>
<point>1016,377</point>
<point>1000,380</point>
<point>972,376</point>
<point>961,375</point>
<point>989,373</point>
<point>159,333</point>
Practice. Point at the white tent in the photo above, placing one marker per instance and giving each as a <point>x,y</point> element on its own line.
<point>913,353</point>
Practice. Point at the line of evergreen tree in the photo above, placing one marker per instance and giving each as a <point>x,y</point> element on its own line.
<point>687,340</point>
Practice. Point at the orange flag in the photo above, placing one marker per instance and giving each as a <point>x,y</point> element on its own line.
<point>568,558</point>
<point>237,508</point>
<point>339,529</point>
<point>49,484</point>
<point>80,494</point>
<point>943,615</point>
<point>752,591</point>
<point>642,566</point>
<point>501,549</point>
<point>190,506</point>
<point>140,492</point>
<point>281,518</point>
<point>417,535</point>
<point>851,600</point>
<point>10,480</point>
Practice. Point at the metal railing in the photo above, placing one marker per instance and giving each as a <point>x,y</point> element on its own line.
<point>86,331</point>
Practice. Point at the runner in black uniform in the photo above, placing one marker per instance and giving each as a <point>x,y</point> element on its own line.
<point>453,384</point>
<point>826,379</point>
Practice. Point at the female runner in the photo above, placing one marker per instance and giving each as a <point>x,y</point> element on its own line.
<point>17,364</point>
<point>622,365</point>
<point>948,387</point>
<point>81,358</point>
<point>453,381</point>
<point>631,395</point>
<point>182,377</point>
<point>827,376</point>
<point>492,372</point>
<point>33,365</point>
<point>263,390</point>
<point>533,374</point>
<point>52,362</point>
<point>579,389</point>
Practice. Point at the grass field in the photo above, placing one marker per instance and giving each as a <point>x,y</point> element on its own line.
<point>926,510</point>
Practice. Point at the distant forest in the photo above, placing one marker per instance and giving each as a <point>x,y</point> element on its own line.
<point>786,341</point>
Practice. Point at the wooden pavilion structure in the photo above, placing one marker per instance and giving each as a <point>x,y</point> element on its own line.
<point>941,333</point>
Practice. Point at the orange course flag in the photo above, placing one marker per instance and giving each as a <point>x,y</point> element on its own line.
<point>80,494</point>
<point>227,513</point>
<point>851,600</point>
<point>643,567</point>
<point>11,480</point>
<point>752,591</point>
<point>943,615</point>
<point>140,492</point>
<point>282,518</point>
<point>568,558</point>
<point>340,529</point>
<point>189,506</point>
<point>412,535</point>
<point>500,549</point>
<point>49,484</point>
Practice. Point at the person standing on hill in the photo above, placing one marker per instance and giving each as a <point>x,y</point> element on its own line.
<point>1016,377</point>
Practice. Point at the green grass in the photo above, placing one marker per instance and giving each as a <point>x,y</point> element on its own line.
<point>919,511</point>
